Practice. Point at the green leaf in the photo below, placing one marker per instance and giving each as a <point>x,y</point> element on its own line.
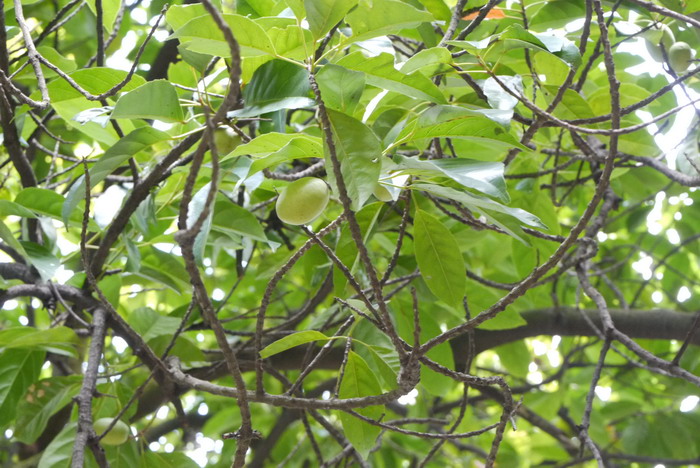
<point>516,37</point>
<point>359,151</point>
<point>381,72</point>
<point>359,381</point>
<point>140,139</point>
<point>234,219</point>
<point>382,17</point>
<point>59,452</point>
<point>178,15</point>
<point>482,204</point>
<point>155,100</point>
<point>439,258</point>
<point>276,85</point>
<point>9,238</point>
<point>195,208</point>
<point>166,460</point>
<point>487,177</point>
<point>202,35</point>
<point>515,358</point>
<point>341,88</point>
<point>49,203</point>
<point>8,208</point>
<point>150,324</point>
<point>427,58</point>
<point>42,400</point>
<point>67,102</point>
<point>273,142</point>
<point>94,80</point>
<point>572,105</point>
<point>59,340</point>
<point>322,15</point>
<point>42,259</point>
<point>452,122</point>
<point>290,341</point>
<point>165,269</point>
<point>19,368</point>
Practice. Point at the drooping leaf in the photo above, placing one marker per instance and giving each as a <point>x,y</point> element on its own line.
<point>439,258</point>
<point>486,177</point>
<point>59,452</point>
<point>360,381</point>
<point>19,368</point>
<point>359,151</point>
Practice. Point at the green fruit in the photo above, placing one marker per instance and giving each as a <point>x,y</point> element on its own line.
<point>679,56</point>
<point>116,436</point>
<point>225,140</point>
<point>302,201</point>
<point>658,34</point>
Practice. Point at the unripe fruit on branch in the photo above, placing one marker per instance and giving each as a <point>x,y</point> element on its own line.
<point>225,140</point>
<point>302,201</point>
<point>656,35</point>
<point>679,56</point>
<point>116,436</point>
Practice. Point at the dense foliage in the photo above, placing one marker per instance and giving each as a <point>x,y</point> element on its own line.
<point>506,272</point>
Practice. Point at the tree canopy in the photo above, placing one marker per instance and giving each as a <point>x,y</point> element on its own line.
<point>506,272</point>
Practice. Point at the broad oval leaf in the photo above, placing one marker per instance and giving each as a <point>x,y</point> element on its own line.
<point>154,100</point>
<point>439,258</point>
<point>359,381</point>
<point>381,72</point>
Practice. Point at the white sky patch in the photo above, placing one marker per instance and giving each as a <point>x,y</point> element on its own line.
<point>162,412</point>
<point>204,445</point>
<point>218,294</point>
<point>538,347</point>
<point>673,236</point>
<point>643,266</point>
<point>657,297</point>
<point>603,392</point>
<point>683,294</point>
<point>119,344</point>
<point>654,225</point>
<point>554,358</point>
<point>409,398</point>
<point>139,15</point>
<point>119,59</point>
<point>689,403</point>
<point>107,205</point>
<point>203,409</point>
